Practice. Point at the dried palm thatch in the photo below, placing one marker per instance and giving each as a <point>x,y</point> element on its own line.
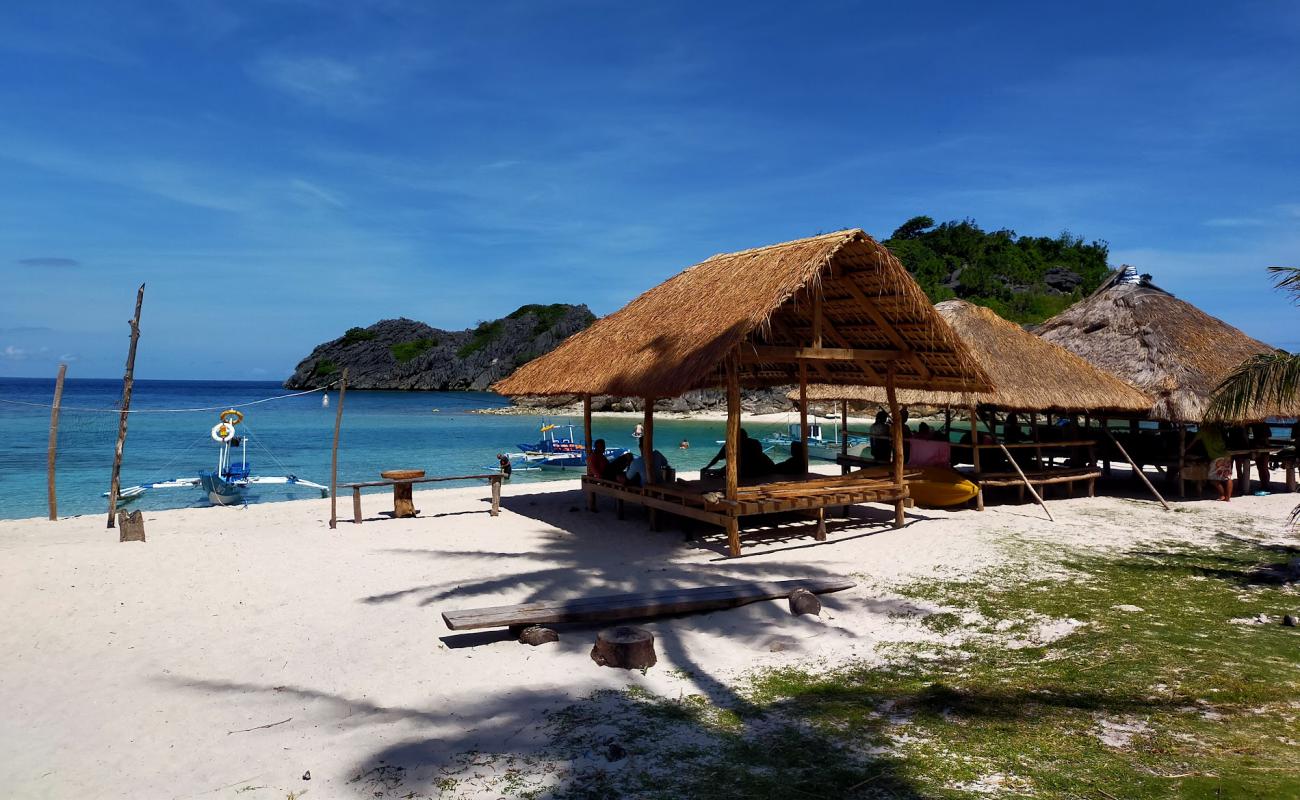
<point>1028,373</point>
<point>1164,346</point>
<point>767,307</point>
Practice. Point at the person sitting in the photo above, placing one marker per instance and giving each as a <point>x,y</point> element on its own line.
<point>597,462</point>
<point>1011,432</point>
<point>753,462</point>
<point>881,444</point>
<point>636,471</point>
<point>794,465</point>
<point>923,431</point>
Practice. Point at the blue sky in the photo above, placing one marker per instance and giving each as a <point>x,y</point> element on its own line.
<point>279,171</point>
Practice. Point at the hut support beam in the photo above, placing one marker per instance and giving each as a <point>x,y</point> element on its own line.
<point>733,451</point>
<point>897,430</point>
<point>975,457</point>
<point>803,412</point>
<point>844,435</point>
<point>647,454</point>
<point>586,432</point>
<point>1182,458</point>
<point>51,493</point>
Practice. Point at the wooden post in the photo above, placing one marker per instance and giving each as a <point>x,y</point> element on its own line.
<point>803,411</point>
<point>54,441</point>
<point>1021,473</point>
<point>1182,458</point>
<point>1105,461</point>
<point>733,449</point>
<point>1138,470</point>
<point>586,423</point>
<point>897,434</point>
<point>648,441</point>
<point>844,435</point>
<point>1038,451</point>
<point>128,382</point>
<point>975,458</point>
<point>496,495</point>
<point>356,504</point>
<point>334,462</point>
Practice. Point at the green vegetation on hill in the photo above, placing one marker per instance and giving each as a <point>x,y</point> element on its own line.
<point>999,269</point>
<point>355,335</point>
<point>405,351</point>
<point>547,315</point>
<point>485,334</point>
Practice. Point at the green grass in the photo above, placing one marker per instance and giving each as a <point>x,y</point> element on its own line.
<point>1196,705</point>
<point>354,335</point>
<point>485,334</point>
<point>324,368</point>
<point>405,351</point>
<point>547,315</point>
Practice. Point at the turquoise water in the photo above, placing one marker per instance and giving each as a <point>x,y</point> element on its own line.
<point>381,430</point>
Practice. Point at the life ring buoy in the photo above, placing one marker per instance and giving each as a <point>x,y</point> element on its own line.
<point>223,432</point>
<point>232,417</point>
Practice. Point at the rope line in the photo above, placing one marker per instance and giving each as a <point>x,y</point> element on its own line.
<point>169,410</point>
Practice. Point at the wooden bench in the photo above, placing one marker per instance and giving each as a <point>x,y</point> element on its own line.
<point>493,478</point>
<point>705,501</point>
<point>1042,477</point>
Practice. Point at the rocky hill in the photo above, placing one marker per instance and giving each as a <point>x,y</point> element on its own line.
<point>405,354</point>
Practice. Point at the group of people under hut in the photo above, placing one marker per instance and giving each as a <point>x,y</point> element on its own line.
<point>629,468</point>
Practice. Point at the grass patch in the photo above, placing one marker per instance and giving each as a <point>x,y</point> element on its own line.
<point>1160,689</point>
<point>485,334</point>
<point>547,315</point>
<point>324,367</point>
<point>355,335</point>
<point>405,351</point>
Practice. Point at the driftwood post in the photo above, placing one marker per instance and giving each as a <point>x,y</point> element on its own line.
<point>54,440</point>
<point>1021,473</point>
<point>128,381</point>
<point>334,461</point>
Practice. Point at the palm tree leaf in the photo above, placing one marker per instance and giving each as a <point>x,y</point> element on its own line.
<point>1272,379</point>
<point>1288,280</point>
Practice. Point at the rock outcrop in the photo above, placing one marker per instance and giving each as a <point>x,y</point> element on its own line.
<point>406,354</point>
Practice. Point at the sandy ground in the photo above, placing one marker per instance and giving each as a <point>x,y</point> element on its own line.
<point>239,649</point>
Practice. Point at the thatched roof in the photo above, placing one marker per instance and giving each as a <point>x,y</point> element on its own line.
<point>1028,373</point>
<point>1164,346</point>
<point>764,304</point>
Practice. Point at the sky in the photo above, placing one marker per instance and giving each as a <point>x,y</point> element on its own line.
<point>279,171</point>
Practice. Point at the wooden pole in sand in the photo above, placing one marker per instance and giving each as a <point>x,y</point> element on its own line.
<point>1138,471</point>
<point>975,458</point>
<point>334,456</point>
<point>897,435</point>
<point>803,412</point>
<point>1021,473</point>
<point>733,449</point>
<point>54,440</point>
<point>128,381</point>
<point>844,436</point>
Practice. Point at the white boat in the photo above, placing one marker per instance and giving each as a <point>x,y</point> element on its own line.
<point>819,447</point>
<point>226,485</point>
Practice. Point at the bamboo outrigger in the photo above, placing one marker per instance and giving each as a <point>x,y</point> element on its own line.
<point>838,306</point>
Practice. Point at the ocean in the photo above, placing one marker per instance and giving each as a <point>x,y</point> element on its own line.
<point>433,431</point>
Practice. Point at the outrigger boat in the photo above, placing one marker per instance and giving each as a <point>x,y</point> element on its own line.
<point>554,453</point>
<point>226,484</point>
<point>818,446</point>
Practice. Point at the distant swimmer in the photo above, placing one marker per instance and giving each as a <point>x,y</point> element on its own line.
<point>638,431</point>
<point>685,445</point>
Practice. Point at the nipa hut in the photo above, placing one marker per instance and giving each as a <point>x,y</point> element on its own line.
<point>1029,375</point>
<point>839,307</point>
<point>1166,347</point>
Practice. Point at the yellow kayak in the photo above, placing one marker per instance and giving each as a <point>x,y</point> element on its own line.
<point>937,487</point>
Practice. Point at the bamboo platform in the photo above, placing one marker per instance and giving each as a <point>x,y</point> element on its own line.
<point>705,500</point>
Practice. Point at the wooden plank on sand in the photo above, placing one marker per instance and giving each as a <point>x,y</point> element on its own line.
<point>637,605</point>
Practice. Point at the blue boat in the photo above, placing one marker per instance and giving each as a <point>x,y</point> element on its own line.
<point>556,453</point>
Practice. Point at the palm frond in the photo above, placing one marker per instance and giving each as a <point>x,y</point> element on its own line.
<point>1288,280</point>
<point>1268,380</point>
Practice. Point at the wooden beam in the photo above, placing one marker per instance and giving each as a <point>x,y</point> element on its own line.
<point>1021,473</point>
<point>1137,470</point>
<point>803,412</point>
<point>886,327</point>
<point>648,442</point>
<point>975,457</point>
<point>733,450</point>
<point>817,318</point>
<point>641,605</point>
<point>768,354</point>
<point>54,440</point>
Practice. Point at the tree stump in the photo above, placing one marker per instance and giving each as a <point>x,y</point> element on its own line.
<point>624,647</point>
<point>130,526</point>
<point>803,601</point>
<point>403,504</point>
<point>536,634</point>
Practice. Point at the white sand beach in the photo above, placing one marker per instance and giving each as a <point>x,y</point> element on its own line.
<point>240,649</point>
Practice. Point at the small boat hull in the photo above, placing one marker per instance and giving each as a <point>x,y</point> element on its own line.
<point>220,491</point>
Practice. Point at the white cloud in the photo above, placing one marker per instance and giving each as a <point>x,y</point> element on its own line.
<point>1235,222</point>
<point>14,353</point>
<point>314,80</point>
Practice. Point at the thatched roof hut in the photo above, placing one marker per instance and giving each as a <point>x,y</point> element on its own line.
<point>1164,346</point>
<point>1028,373</point>
<point>842,293</point>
